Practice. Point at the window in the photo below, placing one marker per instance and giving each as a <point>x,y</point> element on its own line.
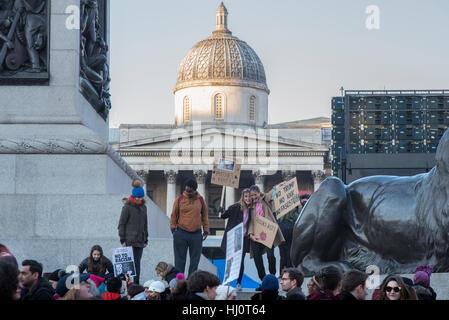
<point>218,106</point>
<point>186,109</point>
<point>252,108</point>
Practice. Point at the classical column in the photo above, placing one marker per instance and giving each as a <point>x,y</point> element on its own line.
<point>171,190</point>
<point>259,179</point>
<point>318,177</point>
<point>143,175</point>
<point>288,175</point>
<point>229,197</point>
<point>200,176</point>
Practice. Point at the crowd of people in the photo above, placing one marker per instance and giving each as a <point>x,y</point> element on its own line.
<point>94,278</point>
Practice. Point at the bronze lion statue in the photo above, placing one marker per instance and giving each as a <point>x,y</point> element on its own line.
<point>395,223</point>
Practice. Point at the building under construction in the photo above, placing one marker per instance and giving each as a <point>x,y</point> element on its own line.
<point>387,132</point>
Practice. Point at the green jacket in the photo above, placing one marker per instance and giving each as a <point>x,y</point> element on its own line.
<point>292,216</point>
<point>133,225</point>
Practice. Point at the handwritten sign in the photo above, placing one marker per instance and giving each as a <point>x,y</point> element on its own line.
<point>234,247</point>
<point>123,261</point>
<point>286,198</point>
<point>226,172</point>
<point>265,230</point>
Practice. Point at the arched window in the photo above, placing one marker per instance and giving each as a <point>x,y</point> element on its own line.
<point>219,107</point>
<point>252,108</point>
<point>186,109</point>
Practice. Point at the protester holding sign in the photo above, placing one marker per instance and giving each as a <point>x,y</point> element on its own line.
<point>261,206</point>
<point>238,213</point>
<point>133,225</point>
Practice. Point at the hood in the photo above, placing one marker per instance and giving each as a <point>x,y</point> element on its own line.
<point>421,290</point>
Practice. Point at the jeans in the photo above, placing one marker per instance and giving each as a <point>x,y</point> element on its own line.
<point>246,244</point>
<point>258,260</point>
<point>137,252</point>
<point>183,241</point>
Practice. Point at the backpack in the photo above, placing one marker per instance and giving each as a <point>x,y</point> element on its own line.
<point>179,202</point>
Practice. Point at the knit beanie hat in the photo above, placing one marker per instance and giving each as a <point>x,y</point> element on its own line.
<point>56,275</point>
<point>422,275</point>
<point>422,278</point>
<point>97,280</point>
<point>62,289</point>
<point>138,191</point>
<point>270,282</point>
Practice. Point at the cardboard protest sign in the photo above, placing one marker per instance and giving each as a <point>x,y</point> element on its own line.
<point>234,247</point>
<point>265,230</point>
<point>123,261</point>
<point>286,198</point>
<point>226,172</point>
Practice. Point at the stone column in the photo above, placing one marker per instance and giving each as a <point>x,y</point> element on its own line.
<point>200,176</point>
<point>171,190</point>
<point>229,197</point>
<point>318,177</point>
<point>259,179</point>
<point>143,175</point>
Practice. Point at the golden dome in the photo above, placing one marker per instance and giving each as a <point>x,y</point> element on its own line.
<point>221,59</point>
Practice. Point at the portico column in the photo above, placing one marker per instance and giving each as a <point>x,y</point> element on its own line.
<point>230,197</point>
<point>171,190</point>
<point>318,177</point>
<point>200,177</point>
<point>259,179</point>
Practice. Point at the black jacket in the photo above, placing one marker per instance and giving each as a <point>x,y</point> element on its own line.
<point>133,225</point>
<point>172,274</point>
<point>42,290</point>
<point>295,294</point>
<point>235,215</point>
<point>194,297</point>
<point>96,268</point>
<point>425,293</point>
<point>347,296</point>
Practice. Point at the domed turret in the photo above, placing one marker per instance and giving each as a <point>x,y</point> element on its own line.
<point>225,65</point>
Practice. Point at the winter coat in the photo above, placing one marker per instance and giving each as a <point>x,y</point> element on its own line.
<point>266,295</point>
<point>425,293</point>
<point>195,296</point>
<point>133,225</point>
<point>96,268</point>
<point>42,290</point>
<point>347,296</point>
<point>235,215</point>
<point>324,295</point>
<point>172,274</point>
<point>295,294</point>
<point>268,212</point>
<point>189,214</point>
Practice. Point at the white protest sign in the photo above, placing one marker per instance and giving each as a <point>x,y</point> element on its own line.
<point>123,261</point>
<point>234,248</point>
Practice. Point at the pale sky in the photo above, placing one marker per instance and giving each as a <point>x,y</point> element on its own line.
<point>309,50</point>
